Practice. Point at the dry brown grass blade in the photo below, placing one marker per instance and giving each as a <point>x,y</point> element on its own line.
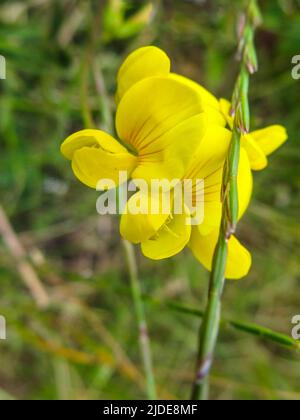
<point>25,269</point>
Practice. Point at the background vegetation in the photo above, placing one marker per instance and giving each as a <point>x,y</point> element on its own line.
<point>84,344</point>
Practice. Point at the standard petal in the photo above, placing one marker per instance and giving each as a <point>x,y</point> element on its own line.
<point>170,239</point>
<point>210,103</point>
<point>96,156</point>
<point>138,223</point>
<point>271,138</point>
<point>207,97</point>
<point>257,157</point>
<point>143,63</point>
<point>239,259</point>
<point>163,120</point>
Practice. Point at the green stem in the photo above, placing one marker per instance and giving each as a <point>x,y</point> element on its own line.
<point>141,319</point>
<point>211,321</point>
<point>209,330</point>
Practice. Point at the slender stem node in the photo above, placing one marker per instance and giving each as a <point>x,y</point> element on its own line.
<point>240,111</point>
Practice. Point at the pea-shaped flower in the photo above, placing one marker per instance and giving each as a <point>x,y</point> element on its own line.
<point>159,124</point>
<point>258,144</point>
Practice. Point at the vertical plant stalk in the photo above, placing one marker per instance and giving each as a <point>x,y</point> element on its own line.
<point>141,319</point>
<point>240,111</point>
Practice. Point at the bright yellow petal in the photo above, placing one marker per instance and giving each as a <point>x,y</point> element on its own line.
<point>90,138</point>
<point>93,165</point>
<point>245,183</point>
<point>96,156</point>
<point>210,103</point>
<point>271,138</point>
<point>143,63</point>
<point>225,107</point>
<point>136,226</point>
<point>212,215</point>
<point>171,238</point>
<point>239,258</point>
<point>257,157</point>
<point>207,97</point>
<point>163,120</point>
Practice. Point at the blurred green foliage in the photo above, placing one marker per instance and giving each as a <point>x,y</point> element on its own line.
<point>85,345</point>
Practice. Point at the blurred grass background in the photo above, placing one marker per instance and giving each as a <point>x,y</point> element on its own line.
<point>84,345</point>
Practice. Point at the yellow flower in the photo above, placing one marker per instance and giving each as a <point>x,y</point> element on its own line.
<point>159,121</point>
<point>258,144</point>
<point>151,61</point>
<point>162,236</point>
<point>169,127</point>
